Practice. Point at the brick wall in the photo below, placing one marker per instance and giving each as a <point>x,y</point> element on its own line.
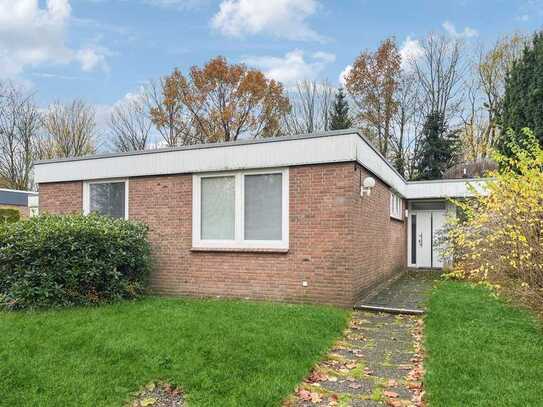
<point>61,197</point>
<point>328,247</point>
<point>380,242</point>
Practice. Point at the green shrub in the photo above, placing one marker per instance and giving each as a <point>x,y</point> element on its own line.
<point>9,215</point>
<point>56,260</point>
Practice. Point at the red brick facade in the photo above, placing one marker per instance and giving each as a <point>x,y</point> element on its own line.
<point>340,243</point>
<point>62,197</point>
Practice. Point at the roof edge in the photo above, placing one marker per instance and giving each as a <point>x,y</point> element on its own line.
<point>20,191</point>
<point>330,133</point>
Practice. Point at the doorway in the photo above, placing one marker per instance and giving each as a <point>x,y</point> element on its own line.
<point>424,229</point>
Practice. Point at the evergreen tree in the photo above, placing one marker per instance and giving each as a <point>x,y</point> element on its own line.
<point>439,149</point>
<point>522,104</point>
<point>339,114</point>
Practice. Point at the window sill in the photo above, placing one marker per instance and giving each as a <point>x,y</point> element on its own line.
<point>238,250</point>
<point>397,219</point>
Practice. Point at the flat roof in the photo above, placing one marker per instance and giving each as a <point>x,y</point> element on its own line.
<point>15,197</point>
<point>316,148</point>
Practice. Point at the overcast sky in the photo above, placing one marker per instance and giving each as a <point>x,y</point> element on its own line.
<point>103,50</point>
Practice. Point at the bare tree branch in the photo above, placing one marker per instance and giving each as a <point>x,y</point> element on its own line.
<point>310,112</point>
<point>130,126</point>
<point>20,123</point>
<point>71,129</point>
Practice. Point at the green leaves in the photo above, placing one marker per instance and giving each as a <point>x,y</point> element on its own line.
<point>8,215</point>
<point>72,260</point>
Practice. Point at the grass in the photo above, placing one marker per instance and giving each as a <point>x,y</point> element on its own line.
<point>480,350</point>
<point>221,353</point>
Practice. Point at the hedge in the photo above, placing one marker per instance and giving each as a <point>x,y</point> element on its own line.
<point>53,261</point>
<point>9,215</point>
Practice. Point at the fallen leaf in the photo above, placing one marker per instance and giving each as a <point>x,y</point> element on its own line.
<point>304,395</point>
<point>393,403</point>
<point>316,398</point>
<point>149,401</point>
<point>391,394</point>
<point>316,376</point>
<point>391,383</point>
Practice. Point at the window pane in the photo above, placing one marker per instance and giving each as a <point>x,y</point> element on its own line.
<point>108,199</point>
<point>263,207</point>
<point>218,208</point>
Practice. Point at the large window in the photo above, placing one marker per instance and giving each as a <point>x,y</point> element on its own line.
<point>108,198</point>
<point>241,210</point>
<point>395,206</point>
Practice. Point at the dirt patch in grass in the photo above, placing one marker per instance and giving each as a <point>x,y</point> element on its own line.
<point>158,395</point>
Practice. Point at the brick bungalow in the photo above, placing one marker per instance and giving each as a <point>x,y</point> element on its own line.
<point>313,218</point>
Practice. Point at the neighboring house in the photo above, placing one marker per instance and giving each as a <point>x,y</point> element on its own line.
<point>312,218</point>
<point>15,199</point>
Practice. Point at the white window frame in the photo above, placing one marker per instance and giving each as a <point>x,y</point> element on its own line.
<point>239,241</point>
<point>86,193</point>
<point>395,206</point>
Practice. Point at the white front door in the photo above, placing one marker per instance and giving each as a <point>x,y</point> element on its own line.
<point>424,239</point>
<point>424,233</point>
<point>438,222</point>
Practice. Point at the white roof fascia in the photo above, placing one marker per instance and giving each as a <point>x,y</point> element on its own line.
<point>329,147</point>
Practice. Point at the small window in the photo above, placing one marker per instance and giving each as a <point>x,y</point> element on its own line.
<point>109,198</point>
<point>395,206</point>
<point>246,209</point>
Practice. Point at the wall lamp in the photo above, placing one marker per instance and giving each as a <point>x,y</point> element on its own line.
<point>367,186</point>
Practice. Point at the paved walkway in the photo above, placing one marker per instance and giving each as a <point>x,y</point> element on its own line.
<point>410,291</point>
<point>378,361</point>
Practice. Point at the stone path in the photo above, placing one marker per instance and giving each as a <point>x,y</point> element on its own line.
<point>378,362</point>
<point>379,359</point>
<point>410,291</point>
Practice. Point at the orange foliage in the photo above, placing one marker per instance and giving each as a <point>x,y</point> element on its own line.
<point>372,83</point>
<point>222,102</point>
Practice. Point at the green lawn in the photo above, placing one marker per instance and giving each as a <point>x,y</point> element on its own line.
<point>222,353</point>
<point>481,351</point>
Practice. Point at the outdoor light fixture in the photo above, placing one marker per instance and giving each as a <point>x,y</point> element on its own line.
<point>367,185</point>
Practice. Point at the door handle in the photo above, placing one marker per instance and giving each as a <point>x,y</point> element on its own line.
<point>420,239</point>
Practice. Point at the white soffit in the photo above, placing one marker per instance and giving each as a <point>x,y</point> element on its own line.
<point>330,147</point>
<point>446,188</point>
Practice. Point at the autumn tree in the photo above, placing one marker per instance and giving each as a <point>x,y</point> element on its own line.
<point>339,113</point>
<point>129,125</point>
<point>310,108</point>
<point>372,84</point>
<point>20,123</point>
<point>498,239</point>
<point>71,130</point>
<point>164,100</point>
<point>220,102</point>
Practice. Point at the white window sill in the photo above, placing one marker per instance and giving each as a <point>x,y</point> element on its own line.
<point>399,219</point>
<point>240,249</point>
